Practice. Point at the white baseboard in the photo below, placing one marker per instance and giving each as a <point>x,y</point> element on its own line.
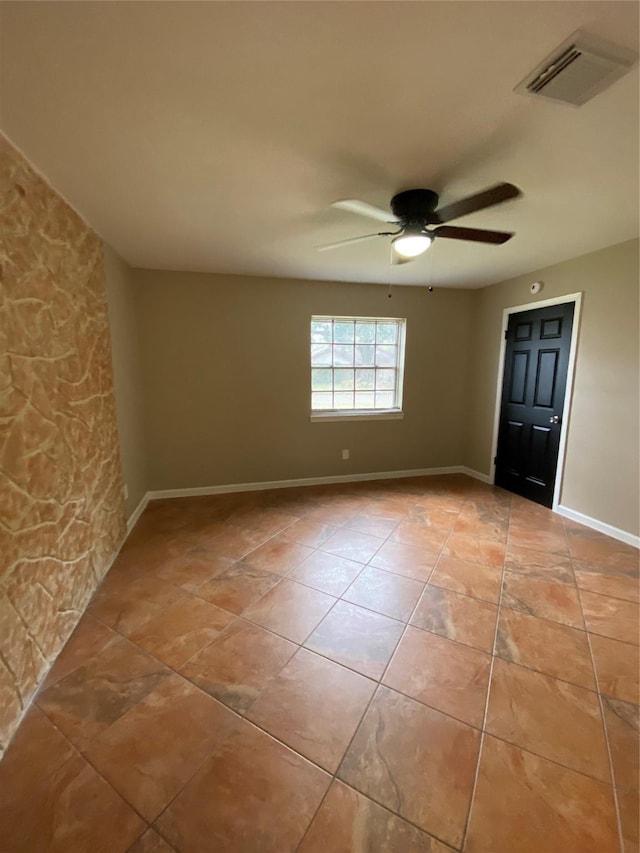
<point>307,481</point>
<point>477,475</point>
<point>135,515</point>
<point>161,494</point>
<point>600,526</point>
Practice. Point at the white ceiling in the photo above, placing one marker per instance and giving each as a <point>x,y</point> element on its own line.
<point>213,136</point>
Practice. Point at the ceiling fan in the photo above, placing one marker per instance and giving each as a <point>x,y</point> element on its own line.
<point>414,210</point>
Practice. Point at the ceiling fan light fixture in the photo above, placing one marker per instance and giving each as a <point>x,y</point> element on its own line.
<point>412,245</point>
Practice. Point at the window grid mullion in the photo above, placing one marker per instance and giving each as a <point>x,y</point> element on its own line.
<point>333,366</point>
<point>375,367</point>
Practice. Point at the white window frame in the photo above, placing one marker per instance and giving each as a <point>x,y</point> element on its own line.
<point>393,413</point>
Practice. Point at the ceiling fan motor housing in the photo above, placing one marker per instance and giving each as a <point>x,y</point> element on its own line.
<point>414,206</point>
<point>414,210</point>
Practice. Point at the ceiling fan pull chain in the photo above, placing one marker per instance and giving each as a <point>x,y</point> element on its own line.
<point>431,265</point>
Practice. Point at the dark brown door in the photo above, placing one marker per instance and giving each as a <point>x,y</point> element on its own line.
<point>533,391</point>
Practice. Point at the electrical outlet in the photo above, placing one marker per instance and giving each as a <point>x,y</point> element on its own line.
<point>126,491</point>
<point>345,454</point>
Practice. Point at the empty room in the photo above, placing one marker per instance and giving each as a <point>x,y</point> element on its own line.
<point>320,434</point>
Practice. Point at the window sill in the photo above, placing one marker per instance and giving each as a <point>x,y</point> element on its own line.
<point>382,415</point>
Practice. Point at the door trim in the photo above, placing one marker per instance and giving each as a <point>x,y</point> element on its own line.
<point>576,298</point>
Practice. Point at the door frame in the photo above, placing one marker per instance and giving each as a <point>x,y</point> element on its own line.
<point>576,298</point>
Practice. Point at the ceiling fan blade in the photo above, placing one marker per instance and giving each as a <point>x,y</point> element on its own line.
<point>339,243</point>
<point>363,208</point>
<point>478,235</point>
<point>487,198</point>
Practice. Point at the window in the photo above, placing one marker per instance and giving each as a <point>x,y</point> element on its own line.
<point>356,366</point>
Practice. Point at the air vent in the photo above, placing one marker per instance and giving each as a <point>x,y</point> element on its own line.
<point>580,68</point>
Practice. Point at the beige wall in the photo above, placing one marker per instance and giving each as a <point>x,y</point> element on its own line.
<point>60,484</point>
<point>226,379</point>
<point>125,348</point>
<point>602,461</point>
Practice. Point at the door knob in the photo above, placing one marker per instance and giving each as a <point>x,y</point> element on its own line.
<point>555,419</point>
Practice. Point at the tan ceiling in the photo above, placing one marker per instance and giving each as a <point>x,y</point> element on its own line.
<point>213,136</point>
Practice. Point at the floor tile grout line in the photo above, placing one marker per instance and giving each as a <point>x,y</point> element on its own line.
<point>178,672</point>
<point>138,838</point>
<point>279,532</point>
<point>377,682</point>
<point>381,684</point>
<point>539,577</point>
<point>314,550</point>
<point>399,574</point>
<point>495,656</point>
<point>407,622</point>
<point>247,617</point>
<point>153,823</point>
<point>44,686</point>
<point>487,699</point>
<point>241,717</point>
<point>293,580</point>
<point>242,615</point>
<point>152,828</point>
<point>244,619</point>
<point>606,736</point>
<point>615,639</point>
<point>546,758</point>
<point>386,808</point>
<point>338,598</point>
<point>515,610</point>
<point>615,575</point>
<point>506,660</point>
<point>99,773</point>
<point>219,636</point>
<point>87,758</point>
<point>319,548</point>
<point>604,595</point>
<point>380,805</point>
<point>392,574</point>
<point>303,583</point>
<point>465,594</point>
<point>449,639</point>
<point>546,618</point>
<point>280,577</point>
<point>341,599</point>
<point>355,732</point>
<point>338,663</point>
<point>616,597</point>
<point>76,752</point>
<point>334,776</point>
<point>545,674</point>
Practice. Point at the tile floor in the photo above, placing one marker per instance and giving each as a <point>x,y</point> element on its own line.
<point>417,665</point>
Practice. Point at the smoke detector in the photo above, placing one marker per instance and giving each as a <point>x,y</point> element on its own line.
<point>578,69</point>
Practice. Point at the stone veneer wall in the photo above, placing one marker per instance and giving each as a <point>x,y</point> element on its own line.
<point>61,497</point>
